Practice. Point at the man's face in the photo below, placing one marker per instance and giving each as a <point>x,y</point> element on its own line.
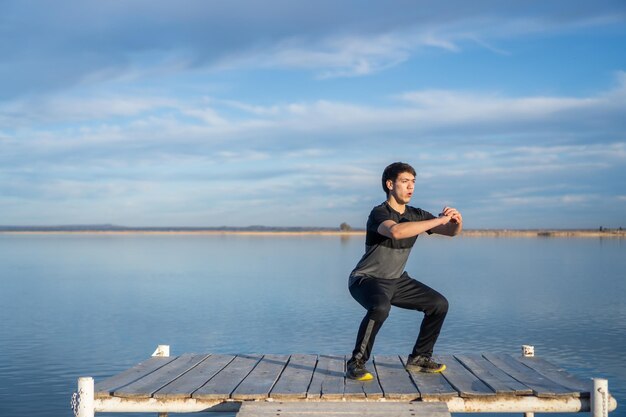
<point>403,187</point>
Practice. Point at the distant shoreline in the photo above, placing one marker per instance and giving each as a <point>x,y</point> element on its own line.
<point>609,233</point>
<point>187,232</point>
<point>558,233</point>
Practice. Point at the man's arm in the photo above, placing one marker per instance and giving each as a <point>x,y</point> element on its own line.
<point>394,230</point>
<point>455,225</point>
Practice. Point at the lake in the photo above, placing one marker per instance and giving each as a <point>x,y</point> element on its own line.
<point>94,304</point>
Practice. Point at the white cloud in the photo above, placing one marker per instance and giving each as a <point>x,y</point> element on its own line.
<point>65,108</point>
<point>550,201</point>
<point>453,106</point>
<point>333,56</point>
<point>208,115</point>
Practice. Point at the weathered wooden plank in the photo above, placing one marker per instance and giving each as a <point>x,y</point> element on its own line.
<point>553,372</point>
<point>431,386</point>
<point>295,379</point>
<point>108,386</point>
<point>394,379</point>
<point>364,389</point>
<point>354,390</point>
<point>372,389</point>
<point>328,379</point>
<point>343,409</point>
<point>465,382</point>
<point>541,386</point>
<point>499,381</point>
<point>221,385</point>
<point>149,384</point>
<point>259,382</point>
<point>184,386</point>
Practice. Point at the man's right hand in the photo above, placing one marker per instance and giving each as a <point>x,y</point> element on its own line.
<point>444,219</point>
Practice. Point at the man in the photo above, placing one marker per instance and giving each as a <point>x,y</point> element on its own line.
<point>379,280</point>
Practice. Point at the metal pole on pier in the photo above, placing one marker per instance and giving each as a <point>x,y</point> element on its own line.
<point>600,398</point>
<point>528,351</point>
<point>83,398</point>
<point>162,350</point>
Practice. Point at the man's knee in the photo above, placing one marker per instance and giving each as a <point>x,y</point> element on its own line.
<point>380,311</point>
<point>440,306</point>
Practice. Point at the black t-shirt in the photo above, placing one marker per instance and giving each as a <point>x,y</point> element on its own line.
<point>385,257</point>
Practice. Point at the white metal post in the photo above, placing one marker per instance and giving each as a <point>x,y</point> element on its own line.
<point>600,398</point>
<point>528,351</point>
<point>83,401</point>
<point>162,350</point>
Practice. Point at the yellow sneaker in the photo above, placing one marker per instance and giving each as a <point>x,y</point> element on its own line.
<point>358,371</point>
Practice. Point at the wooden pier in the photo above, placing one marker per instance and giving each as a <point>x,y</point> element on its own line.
<point>304,384</point>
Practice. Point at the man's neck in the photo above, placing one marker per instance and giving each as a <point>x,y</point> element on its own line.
<point>393,203</point>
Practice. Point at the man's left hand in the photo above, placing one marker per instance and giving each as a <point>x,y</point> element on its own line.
<point>454,214</point>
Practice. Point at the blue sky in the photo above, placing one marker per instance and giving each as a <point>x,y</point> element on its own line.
<point>285,113</point>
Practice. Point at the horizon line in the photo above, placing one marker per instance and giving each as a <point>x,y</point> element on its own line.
<point>112,227</point>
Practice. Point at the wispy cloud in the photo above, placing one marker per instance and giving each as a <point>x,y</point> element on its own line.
<point>454,106</point>
<point>550,201</point>
<point>196,143</point>
<point>89,42</point>
<point>58,109</point>
<point>421,117</point>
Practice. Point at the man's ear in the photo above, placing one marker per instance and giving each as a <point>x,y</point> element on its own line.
<point>389,184</point>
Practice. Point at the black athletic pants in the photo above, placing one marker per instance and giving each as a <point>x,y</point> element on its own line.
<point>377,295</point>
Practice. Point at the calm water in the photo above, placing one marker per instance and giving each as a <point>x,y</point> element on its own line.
<point>94,305</point>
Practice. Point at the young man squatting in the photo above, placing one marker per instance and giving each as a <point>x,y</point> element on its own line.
<point>380,281</point>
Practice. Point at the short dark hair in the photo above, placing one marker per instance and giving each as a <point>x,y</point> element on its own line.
<point>392,171</point>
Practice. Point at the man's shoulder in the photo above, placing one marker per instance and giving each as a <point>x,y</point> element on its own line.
<point>381,207</point>
<point>380,210</point>
<point>379,214</point>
